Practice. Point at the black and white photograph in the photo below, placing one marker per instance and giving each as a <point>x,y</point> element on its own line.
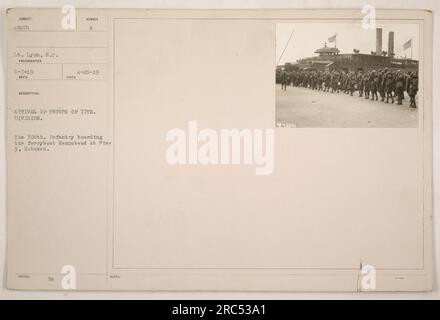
<point>347,75</point>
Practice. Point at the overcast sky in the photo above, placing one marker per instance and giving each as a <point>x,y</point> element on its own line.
<point>309,36</point>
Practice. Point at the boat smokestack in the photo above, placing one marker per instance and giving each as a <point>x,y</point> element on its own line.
<point>378,41</point>
<point>391,44</point>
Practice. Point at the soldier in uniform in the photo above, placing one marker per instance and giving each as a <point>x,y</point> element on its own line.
<point>333,81</point>
<point>381,85</point>
<point>319,80</point>
<point>348,82</point>
<point>374,81</point>
<point>327,81</point>
<point>400,87</point>
<point>284,78</point>
<point>360,83</point>
<point>366,87</point>
<point>407,78</point>
<point>292,78</point>
<point>313,80</point>
<point>343,81</point>
<point>307,80</point>
<point>413,87</point>
<point>303,78</point>
<point>322,78</point>
<point>336,82</point>
<point>352,83</point>
<point>389,86</point>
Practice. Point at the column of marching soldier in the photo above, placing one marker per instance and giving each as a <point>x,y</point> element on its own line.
<point>390,85</point>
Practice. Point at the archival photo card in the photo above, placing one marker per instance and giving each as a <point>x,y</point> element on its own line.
<point>219,150</point>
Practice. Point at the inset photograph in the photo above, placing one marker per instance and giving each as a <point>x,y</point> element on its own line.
<point>345,75</point>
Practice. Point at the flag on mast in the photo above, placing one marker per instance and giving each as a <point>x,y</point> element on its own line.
<point>332,38</point>
<point>407,44</point>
